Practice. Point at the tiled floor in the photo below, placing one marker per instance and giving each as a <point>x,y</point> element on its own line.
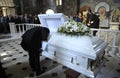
<point>15,62</point>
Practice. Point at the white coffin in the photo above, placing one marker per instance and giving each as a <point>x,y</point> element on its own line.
<point>76,53</point>
<point>52,21</point>
<point>83,54</point>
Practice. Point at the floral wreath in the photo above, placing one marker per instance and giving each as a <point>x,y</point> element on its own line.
<point>74,28</point>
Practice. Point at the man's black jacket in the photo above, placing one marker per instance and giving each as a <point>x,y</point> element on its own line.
<point>95,19</point>
<point>32,38</point>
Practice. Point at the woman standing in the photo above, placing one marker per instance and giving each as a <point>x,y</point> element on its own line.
<point>79,18</point>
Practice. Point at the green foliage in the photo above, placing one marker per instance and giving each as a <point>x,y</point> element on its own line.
<point>74,28</point>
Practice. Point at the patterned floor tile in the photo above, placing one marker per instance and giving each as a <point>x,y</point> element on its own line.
<point>16,64</point>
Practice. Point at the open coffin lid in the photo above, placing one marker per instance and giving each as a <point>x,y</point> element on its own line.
<point>52,21</point>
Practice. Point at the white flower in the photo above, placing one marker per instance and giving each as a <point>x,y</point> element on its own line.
<point>74,28</point>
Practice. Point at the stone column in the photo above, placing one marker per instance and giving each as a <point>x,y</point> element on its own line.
<point>4,11</point>
<point>78,6</point>
<point>51,4</point>
<point>21,4</point>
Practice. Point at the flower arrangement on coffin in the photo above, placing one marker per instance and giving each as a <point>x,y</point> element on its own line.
<point>74,28</point>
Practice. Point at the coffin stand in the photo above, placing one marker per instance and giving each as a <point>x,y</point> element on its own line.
<point>83,54</point>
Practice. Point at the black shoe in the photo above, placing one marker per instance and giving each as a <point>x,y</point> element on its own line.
<point>41,72</point>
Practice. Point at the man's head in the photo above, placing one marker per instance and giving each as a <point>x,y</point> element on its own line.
<point>45,33</point>
<point>89,11</point>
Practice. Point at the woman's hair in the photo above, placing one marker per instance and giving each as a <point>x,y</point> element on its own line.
<point>80,13</point>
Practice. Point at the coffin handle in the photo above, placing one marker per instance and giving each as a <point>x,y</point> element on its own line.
<point>72,60</point>
<point>54,53</point>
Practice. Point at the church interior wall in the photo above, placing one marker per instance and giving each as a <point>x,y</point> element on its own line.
<point>114,7</point>
<point>68,7</point>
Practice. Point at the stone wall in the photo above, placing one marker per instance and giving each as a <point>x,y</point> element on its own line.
<point>68,7</point>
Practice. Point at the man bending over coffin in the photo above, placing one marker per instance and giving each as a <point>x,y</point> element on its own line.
<point>32,43</point>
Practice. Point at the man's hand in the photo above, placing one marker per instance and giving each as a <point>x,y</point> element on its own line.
<point>92,22</point>
<point>88,24</point>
